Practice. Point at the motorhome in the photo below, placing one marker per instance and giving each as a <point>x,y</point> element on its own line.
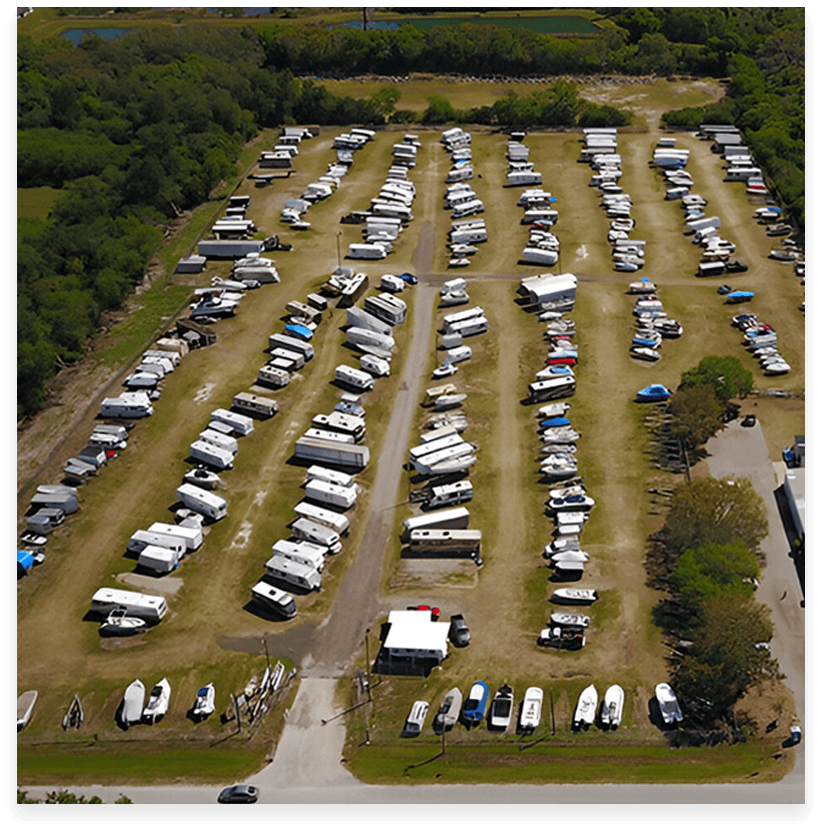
<point>275,599</point>
<point>351,377</point>
<point>292,572</point>
<point>150,608</point>
<point>202,501</point>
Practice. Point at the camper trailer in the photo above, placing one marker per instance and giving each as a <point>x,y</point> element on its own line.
<point>271,376</point>
<point>149,608</point>
<point>322,516</point>
<point>355,378</point>
<point>141,540</point>
<point>446,541</point>
<point>349,425</point>
<point>206,503</point>
<point>292,572</point>
<point>293,344</point>
<point>191,537</point>
<point>306,553</point>
<point>306,529</point>
<point>450,518</point>
<point>211,455</point>
<point>327,493</point>
<point>331,452</point>
<point>454,494</point>
<point>157,559</point>
<point>255,405</point>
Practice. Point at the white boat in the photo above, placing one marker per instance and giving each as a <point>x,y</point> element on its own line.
<point>569,490</point>
<point>668,705</point>
<point>133,703</point>
<point>455,465</point>
<point>777,368</point>
<point>74,716</point>
<point>574,596</point>
<point>612,703</point>
<point>643,286</point>
<point>645,353</point>
<point>560,559</point>
<point>157,704</point>
<point>449,711</point>
<point>463,248</point>
<point>447,402</point>
<point>531,710</point>
<point>117,623</point>
<point>204,705</point>
<point>568,619</point>
<point>459,262</point>
<point>203,478</point>
<point>586,710</point>
<point>562,544</point>
<point>501,708</point>
<point>445,369</point>
<point>25,707</point>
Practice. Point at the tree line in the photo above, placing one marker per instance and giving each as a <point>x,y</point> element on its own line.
<point>136,130</point>
<point>706,559</point>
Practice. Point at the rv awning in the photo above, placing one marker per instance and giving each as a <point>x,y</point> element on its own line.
<point>414,634</point>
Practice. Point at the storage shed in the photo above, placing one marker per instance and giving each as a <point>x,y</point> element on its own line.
<point>414,644</point>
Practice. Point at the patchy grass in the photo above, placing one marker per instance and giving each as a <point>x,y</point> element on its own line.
<point>36,203</point>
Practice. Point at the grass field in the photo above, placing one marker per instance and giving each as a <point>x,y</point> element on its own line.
<point>36,203</point>
<point>211,631</point>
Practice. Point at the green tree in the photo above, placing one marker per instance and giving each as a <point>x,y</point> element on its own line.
<point>707,511</point>
<point>384,100</point>
<point>696,414</point>
<point>727,376</point>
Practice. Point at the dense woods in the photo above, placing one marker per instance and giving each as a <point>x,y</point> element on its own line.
<point>137,129</point>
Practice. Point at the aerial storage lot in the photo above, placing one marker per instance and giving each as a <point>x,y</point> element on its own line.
<point>213,633</point>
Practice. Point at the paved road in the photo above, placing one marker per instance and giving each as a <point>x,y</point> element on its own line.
<point>742,452</point>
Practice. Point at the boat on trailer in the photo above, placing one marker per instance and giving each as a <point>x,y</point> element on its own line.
<point>25,707</point>
<point>157,704</point>
<point>531,713</point>
<point>612,703</point>
<point>449,711</point>
<point>586,709</point>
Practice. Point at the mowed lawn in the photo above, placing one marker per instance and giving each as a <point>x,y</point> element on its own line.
<point>60,653</point>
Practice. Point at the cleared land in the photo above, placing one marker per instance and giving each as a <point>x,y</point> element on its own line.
<point>212,634</point>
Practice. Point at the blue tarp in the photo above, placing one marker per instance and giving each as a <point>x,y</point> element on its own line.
<point>555,422</point>
<point>302,332</point>
<point>25,560</point>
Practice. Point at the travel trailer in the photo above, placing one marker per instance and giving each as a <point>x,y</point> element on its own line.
<point>150,608</point>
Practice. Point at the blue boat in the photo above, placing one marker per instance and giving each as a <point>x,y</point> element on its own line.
<point>653,392</point>
<point>474,710</point>
<point>25,561</point>
<point>555,422</point>
<point>739,296</point>
<point>299,331</point>
<point>645,342</point>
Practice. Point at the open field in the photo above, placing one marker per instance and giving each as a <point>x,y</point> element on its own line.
<point>212,634</point>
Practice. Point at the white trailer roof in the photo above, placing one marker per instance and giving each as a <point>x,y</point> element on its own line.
<point>413,633</point>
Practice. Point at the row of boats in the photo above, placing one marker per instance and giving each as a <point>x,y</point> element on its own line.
<point>476,708</point>
<point>761,341</point>
<point>652,323</point>
<point>589,710</point>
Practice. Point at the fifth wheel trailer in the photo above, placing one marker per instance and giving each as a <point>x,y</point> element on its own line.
<point>450,518</point>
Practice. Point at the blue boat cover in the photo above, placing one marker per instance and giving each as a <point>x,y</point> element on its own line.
<point>555,422</point>
<point>300,331</point>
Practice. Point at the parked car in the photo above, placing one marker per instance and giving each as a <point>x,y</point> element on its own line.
<point>409,278</point>
<point>749,420</point>
<point>459,634</point>
<point>724,290</point>
<point>238,793</point>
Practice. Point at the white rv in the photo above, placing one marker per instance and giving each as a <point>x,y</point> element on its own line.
<point>158,559</point>
<point>356,378</point>
<point>202,501</point>
<point>150,608</point>
<point>450,518</point>
<point>289,571</point>
<point>306,529</point>
<point>211,455</point>
<point>366,251</point>
<point>218,439</point>
<point>322,516</point>
<point>327,493</point>
<point>192,538</point>
<point>273,598</point>
<point>307,553</point>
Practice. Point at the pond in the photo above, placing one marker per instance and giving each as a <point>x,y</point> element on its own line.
<point>76,35</point>
<point>570,25</point>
